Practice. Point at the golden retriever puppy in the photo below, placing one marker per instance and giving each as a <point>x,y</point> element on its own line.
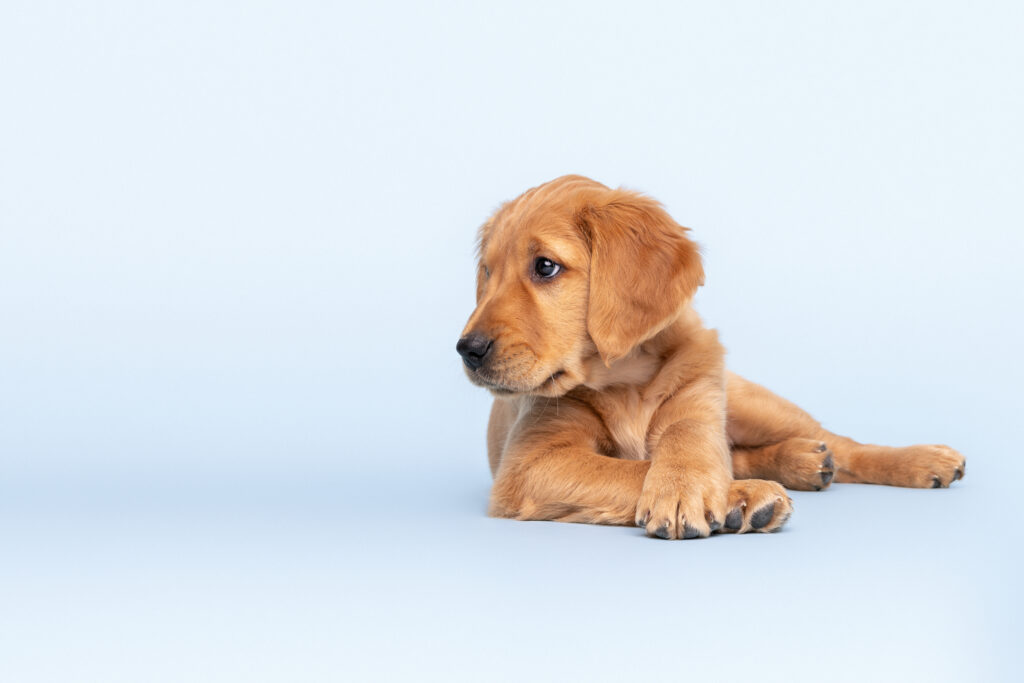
<point>612,404</point>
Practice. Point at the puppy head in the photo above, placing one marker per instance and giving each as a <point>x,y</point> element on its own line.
<point>569,272</point>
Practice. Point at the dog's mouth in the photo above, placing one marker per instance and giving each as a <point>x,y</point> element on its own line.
<point>550,381</point>
<point>502,389</point>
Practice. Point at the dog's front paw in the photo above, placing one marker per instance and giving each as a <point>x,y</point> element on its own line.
<point>682,504</point>
<point>757,505</point>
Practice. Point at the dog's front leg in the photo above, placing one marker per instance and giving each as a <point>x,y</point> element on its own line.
<point>552,469</point>
<point>568,483</point>
<point>686,491</point>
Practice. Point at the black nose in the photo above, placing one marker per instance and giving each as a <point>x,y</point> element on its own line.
<point>474,349</point>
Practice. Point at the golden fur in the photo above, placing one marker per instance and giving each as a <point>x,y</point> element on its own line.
<point>612,402</point>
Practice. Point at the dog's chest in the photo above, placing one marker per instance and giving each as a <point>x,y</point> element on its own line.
<point>627,418</point>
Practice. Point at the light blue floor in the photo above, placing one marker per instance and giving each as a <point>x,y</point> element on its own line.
<point>401,577</point>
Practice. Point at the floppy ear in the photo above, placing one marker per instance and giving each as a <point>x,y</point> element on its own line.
<point>643,270</point>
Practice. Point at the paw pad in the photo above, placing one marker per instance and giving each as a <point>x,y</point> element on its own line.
<point>734,520</point>
<point>828,470</point>
<point>761,517</point>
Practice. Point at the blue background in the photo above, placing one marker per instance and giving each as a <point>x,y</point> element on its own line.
<point>236,251</point>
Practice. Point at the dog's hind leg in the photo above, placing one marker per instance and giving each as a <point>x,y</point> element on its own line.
<point>796,463</point>
<point>774,439</point>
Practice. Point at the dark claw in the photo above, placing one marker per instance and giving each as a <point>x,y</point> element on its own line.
<point>822,448</point>
<point>936,484</point>
<point>826,477</point>
<point>662,531</point>
<point>642,522</point>
<point>829,463</point>
<point>690,532</point>
<point>958,475</point>
<point>713,523</point>
<point>734,520</point>
<point>761,517</point>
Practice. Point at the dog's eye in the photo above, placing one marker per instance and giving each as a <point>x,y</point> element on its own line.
<point>545,267</point>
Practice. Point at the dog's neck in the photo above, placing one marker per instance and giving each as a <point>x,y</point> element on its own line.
<point>636,369</point>
<point>641,366</point>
